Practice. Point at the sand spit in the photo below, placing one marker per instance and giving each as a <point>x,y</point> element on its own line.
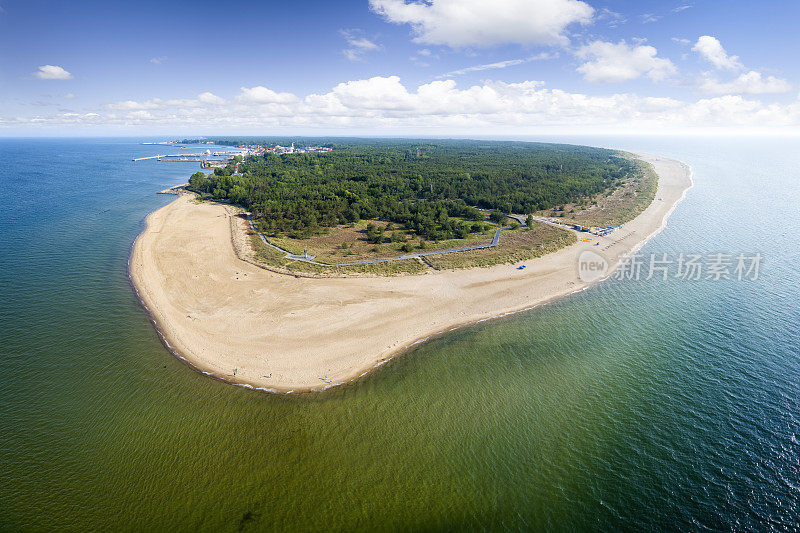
<point>265,330</point>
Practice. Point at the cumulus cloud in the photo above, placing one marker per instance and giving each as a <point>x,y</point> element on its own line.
<point>386,100</point>
<point>210,98</point>
<point>262,95</point>
<point>479,23</point>
<point>377,93</point>
<point>132,105</point>
<point>751,82</point>
<point>712,51</point>
<point>52,72</point>
<point>386,104</point>
<point>610,62</point>
<point>357,44</point>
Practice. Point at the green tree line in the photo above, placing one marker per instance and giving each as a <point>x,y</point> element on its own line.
<point>437,195</point>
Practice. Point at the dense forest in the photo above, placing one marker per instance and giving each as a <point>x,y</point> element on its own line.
<point>436,194</point>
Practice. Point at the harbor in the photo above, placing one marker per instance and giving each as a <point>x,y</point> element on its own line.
<point>194,157</point>
<point>221,158</point>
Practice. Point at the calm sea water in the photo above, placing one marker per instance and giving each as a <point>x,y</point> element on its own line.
<point>650,405</point>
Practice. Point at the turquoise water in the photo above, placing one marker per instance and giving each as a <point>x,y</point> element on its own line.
<point>650,405</point>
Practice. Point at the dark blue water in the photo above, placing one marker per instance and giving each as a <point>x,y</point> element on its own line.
<point>649,405</point>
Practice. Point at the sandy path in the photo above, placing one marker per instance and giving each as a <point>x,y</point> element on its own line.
<point>285,333</point>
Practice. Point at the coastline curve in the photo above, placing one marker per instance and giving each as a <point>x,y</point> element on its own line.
<point>251,327</point>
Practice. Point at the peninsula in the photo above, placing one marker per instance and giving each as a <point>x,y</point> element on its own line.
<point>244,313</point>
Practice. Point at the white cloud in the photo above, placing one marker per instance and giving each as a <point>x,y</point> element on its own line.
<point>139,115</point>
<point>682,41</point>
<point>648,18</point>
<point>68,95</point>
<point>155,103</point>
<point>373,93</point>
<point>423,57</point>
<point>262,95</point>
<point>610,62</point>
<point>131,105</point>
<point>751,82</point>
<point>385,104</point>
<point>712,51</point>
<point>683,7</point>
<point>612,18</point>
<point>247,97</point>
<point>481,23</point>
<point>52,72</point>
<point>500,64</point>
<point>158,60</point>
<point>210,98</point>
<point>358,45</point>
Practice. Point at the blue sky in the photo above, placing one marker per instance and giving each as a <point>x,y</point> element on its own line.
<point>398,67</point>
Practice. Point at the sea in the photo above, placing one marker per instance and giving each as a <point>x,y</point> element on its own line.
<point>653,401</point>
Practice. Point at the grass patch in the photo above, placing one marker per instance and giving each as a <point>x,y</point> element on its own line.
<point>515,246</point>
<point>622,205</point>
<point>350,243</point>
<point>272,257</point>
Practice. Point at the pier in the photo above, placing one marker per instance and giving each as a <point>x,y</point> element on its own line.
<point>195,157</point>
<point>206,154</point>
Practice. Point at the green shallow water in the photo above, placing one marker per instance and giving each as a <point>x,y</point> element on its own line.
<point>633,405</point>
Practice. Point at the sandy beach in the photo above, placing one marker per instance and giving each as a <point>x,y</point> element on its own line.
<point>247,325</point>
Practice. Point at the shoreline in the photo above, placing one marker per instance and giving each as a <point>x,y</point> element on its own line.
<point>323,326</point>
